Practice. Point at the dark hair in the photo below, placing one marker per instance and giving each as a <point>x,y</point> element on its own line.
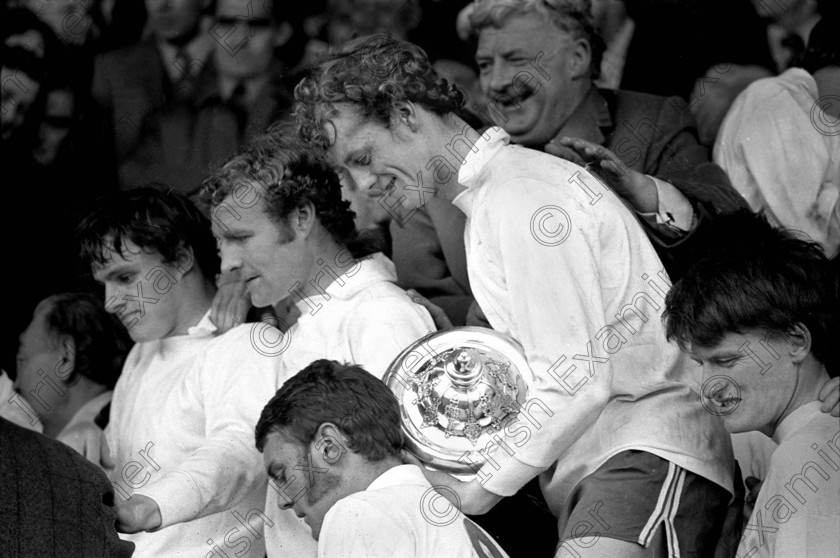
<point>823,46</point>
<point>101,342</point>
<point>758,277</point>
<point>286,175</point>
<point>372,73</point>
<point>159,220</point>
<point>345,395</point>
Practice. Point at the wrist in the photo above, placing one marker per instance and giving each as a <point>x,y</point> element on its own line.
<point>645,198</point>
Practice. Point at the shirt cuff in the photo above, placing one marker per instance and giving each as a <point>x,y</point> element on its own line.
<point>176,497</point>
<point>504,475</point>
<point>674,211</point>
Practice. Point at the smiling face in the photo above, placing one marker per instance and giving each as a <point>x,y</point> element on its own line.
<point>270,257</point>
<point>142,291</point>
<point>385,162</point>
<point>308,484</point>
<point>745,383</point>
<point>534,73</point>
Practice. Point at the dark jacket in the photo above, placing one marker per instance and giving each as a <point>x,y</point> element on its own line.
<point>53,502</point>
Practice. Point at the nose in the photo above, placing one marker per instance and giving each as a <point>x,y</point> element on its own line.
<point>363,180</point>
<point>231,258</point>
<point>498,80</point>
<point>114,302</point>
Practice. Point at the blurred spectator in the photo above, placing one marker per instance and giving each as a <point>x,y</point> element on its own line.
<point>131,84</point>
<point>345,19</point>
<point>69,359</point>
<point>186,138</point>
<point>41,243</point>
<point>53,502</point>
<point>780,143</point>
<point>54,134</point>
<point>73,21</point>
<point>29,46</point>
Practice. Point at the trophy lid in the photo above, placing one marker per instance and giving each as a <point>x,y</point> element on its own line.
<point>456,389</point>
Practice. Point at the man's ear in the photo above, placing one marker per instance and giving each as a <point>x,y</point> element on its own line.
<point>301,220</point>
<point>799,342</point>
<point>282,34</point>
<point>405,113</point>
<point>64,369</point>
<point>184,260</point>
<point>331,443</point>
<point>580,58</point>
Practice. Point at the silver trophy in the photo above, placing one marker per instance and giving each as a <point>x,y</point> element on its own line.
<point>456,389</point>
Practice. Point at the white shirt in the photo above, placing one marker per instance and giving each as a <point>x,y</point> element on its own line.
<point>75,432</point>
<point>782,153</point>
<point>578,284</point>
<point>400,515</point>
<point>364,319</point>
<point>182,433</point>
<point>797,512</point>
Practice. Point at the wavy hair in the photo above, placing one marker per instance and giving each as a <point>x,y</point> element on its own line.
<point>373,74</point>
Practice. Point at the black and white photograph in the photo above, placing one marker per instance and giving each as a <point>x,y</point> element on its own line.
<point>420,279</point>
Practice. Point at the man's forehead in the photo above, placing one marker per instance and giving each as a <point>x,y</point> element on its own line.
<point>345,131</point>
<point>528,31</point>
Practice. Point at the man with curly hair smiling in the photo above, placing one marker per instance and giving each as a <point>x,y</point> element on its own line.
<point>622,433</point>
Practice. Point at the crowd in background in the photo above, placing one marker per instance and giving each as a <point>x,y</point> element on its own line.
<point>100,95</point>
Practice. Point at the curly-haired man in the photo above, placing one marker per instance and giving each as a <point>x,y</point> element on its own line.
<point>621,433</point>
<point>282,225</point>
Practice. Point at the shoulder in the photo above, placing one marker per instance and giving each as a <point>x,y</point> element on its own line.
<point>799,453</point>
<point>34,454</point>
<point>243,343</point>
<point>641,102</point>
<point>793,88</point>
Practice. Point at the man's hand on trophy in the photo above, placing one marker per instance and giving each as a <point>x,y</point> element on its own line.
<point>469,497</point>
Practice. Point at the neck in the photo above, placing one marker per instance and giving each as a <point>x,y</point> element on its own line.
<point>334,258</point>
<point>376,469</point>
<point>452,139</point>
<point>195,296</point>
<point>810,378</point>
<point>66,408</point>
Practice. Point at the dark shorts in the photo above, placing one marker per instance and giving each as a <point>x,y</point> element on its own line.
<point>641,498</point>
